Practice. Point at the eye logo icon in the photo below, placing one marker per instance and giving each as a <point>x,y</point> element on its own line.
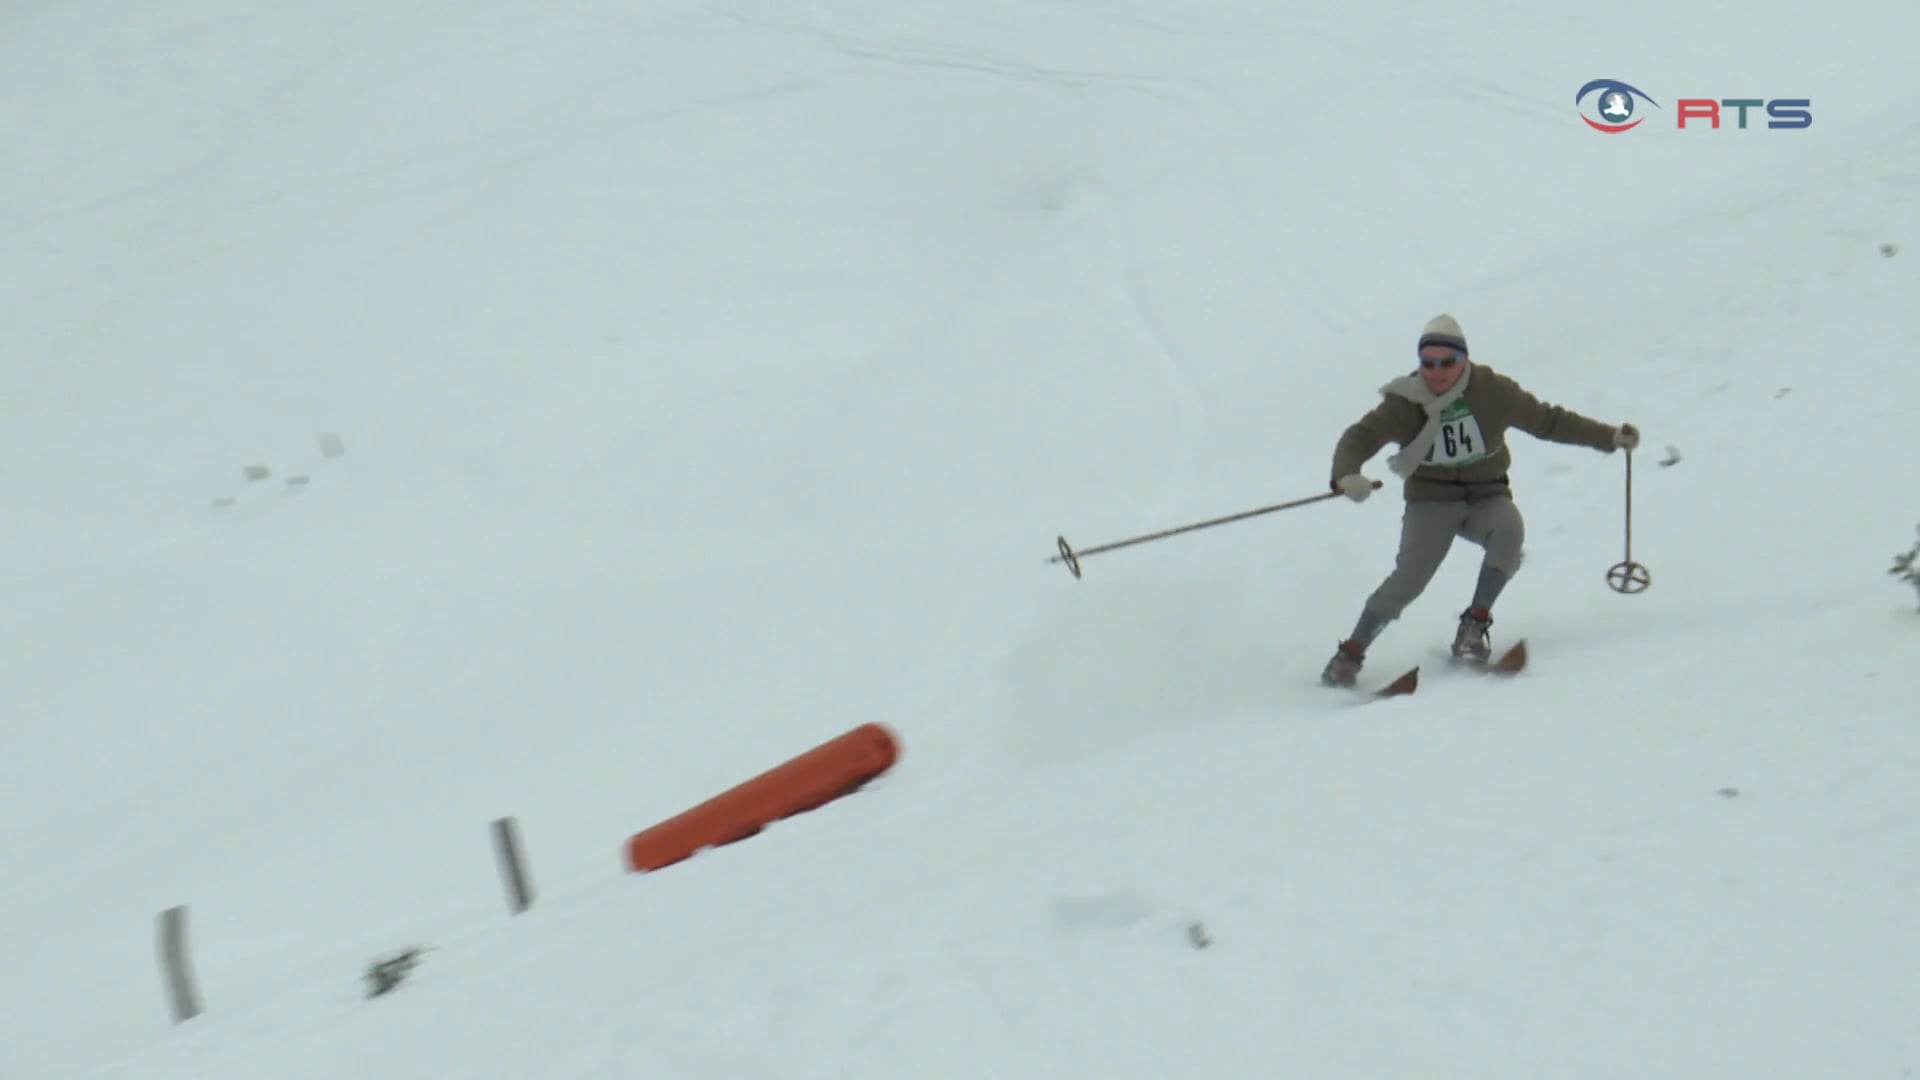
<point>1614,105</point>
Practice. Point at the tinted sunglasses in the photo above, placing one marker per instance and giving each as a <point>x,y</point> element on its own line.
<point>1444,362</point>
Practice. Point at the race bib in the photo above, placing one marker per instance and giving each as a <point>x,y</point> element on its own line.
<point>1459,441</point>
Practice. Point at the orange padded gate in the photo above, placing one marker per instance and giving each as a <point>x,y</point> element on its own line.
<point>837,767</point>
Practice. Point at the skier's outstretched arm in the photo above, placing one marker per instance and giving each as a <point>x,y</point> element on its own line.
<point>1557,423</point>
<point>1393,420</point>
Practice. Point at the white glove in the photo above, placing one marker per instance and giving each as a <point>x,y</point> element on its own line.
<point>1355,487</point>
<point>1626,437</point>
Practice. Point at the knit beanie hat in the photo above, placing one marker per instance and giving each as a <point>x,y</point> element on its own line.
<point>1443,330</point>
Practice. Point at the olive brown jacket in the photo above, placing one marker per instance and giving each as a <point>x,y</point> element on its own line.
<point>1454,445</point>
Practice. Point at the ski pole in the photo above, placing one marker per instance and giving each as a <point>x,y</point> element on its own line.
<point>1072,557</point>
<point>1628,576</point>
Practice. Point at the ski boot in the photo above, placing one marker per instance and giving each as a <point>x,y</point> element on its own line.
<point>1470,641</point>
<point>1343,670</point>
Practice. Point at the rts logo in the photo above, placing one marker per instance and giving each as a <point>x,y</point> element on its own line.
<point>1617,110</point>
<point>1616,105</point>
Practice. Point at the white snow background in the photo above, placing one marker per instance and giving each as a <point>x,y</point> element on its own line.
<point>714,377</point>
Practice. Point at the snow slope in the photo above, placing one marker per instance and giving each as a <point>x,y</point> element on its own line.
<point>714,377</point>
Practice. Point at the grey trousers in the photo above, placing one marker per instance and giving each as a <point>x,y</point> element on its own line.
<point>1427,531</point>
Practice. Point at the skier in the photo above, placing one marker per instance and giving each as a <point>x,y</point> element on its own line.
<point>1451,420</point>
